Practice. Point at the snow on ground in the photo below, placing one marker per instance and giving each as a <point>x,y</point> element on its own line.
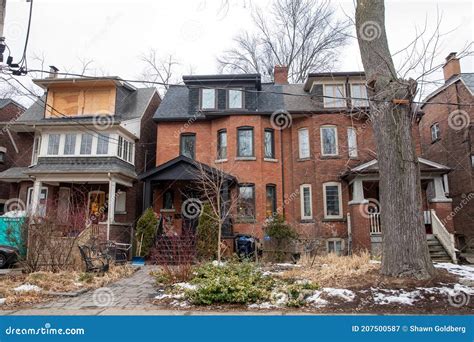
<point>166,296</point>
<point>288,265</point>
<point>2,301</point>
<point>185,286</point>
<point>463,271</point>
<point>26,288</point>
<point>345,294</point>
<point>385,296</point>
<point>14,214</point>
<point>316,299</point>
<point>264,305</point>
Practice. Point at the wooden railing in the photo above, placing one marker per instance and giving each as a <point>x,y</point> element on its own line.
<point>375,226</point>
<point>445,238</point>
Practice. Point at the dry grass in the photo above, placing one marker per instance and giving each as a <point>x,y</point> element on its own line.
<point>55,282</point>
<point>333,270</point>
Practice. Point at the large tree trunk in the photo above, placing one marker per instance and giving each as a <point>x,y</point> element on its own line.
<point>404,246</point>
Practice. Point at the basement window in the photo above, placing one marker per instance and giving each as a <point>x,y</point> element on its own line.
<point>435,132</point>
<point>335,246</point>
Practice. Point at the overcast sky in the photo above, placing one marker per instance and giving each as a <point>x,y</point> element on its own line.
<point>116,33</point>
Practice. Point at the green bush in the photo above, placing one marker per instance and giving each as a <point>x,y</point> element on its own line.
<point>232,283</point>
<point>146,227</point>
<point>207,234</point>
<point>278,229</point>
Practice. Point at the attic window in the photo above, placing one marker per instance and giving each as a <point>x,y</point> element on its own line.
<point>235,99</point>
<point>208,99</point>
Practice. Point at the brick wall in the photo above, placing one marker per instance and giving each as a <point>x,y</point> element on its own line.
<point>454,149</point>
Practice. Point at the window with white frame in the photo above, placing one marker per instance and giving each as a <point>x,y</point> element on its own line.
<point>335,246</point>
<point>69,144</point>
<point>235,99</point>
<point>36,150</point>
<point>53,144</point>
<point>103,143</point>
<point>303,143</point>
<point>120,202</point>
<point>332,200</point>
<point>352,142</point>
<point>125,150</point>
<point>359,95</point>
<point>435,132</point>
<point>42,201</point>
<point>306,199</point>
<point>334,95</point>
<point>208,99</point>
<point>86,144</point>
<point>329,145</point>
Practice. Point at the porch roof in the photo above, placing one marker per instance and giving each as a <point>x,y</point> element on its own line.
<point>181,168</point>
<point>372,167</point>
<point>14,174</point>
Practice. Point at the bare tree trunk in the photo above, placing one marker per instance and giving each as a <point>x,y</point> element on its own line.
<point>404,248</point>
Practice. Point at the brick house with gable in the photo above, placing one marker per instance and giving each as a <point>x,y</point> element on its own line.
<point>447,137</point>
<point>317,168</point>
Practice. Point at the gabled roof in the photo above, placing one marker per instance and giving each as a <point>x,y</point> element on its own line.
<point>465,78</point>
<point>5,102</point>
<point>371,167</point>
<point>181,168</point>
<point>227,79</point>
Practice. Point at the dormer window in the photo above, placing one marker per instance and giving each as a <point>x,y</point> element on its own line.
<point>334,96</point>
<point>359,95</point>
<point>208,99</point>
<point>235,99</point>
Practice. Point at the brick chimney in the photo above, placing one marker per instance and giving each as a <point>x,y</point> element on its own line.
<point>451,67</point>
<point>280,74</point>
<point>53,71</point>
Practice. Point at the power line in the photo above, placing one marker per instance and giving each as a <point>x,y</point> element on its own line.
<point>244,90</point>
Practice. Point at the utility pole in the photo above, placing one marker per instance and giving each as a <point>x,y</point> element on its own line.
<point>3,5</point>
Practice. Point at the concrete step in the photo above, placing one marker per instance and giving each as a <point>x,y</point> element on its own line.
<point>436,248</point>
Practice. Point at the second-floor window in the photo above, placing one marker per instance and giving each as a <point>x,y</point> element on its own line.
<point>103,143</point>
<point>245,142</point>
<point>329,141</point>
<point>36,150</point>
<point>53,144</point>
<point>222,144</point>
<point>303,143</point>
<point>352,142</point>
<point>125,150</point>
<point>269,144</point>
<point>359,95</point>
<point>235,99</point>
<point>86,144</point>
<point>435,132</point>
<point>334,96</point>
<point>188,145</point>
<point>208,99</point>
<point>69,144</point>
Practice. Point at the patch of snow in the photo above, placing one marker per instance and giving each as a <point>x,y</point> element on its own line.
<point>27,287</point>
<point>14,214</point>
<point>374,261</point>
<point>288,265</point>
<point>186,286</point>
<point>78,284</point>
<point>264,305</point>
<point>316,299</point>
<point>178,303</point>
<point>463,271</point>
<point>2,301</point>
<point>172,296</point>
<point>280,298</point>
<point>345,294</point>
<point>448,290</point>
<point>216,263</point>
<point>385,296</point>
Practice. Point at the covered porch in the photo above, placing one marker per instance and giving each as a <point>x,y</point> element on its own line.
<point>366,229</point>
<point>174,191</point>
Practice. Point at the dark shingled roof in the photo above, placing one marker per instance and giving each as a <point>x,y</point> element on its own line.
<point>14,174</point>
<point>132,106</point>
<point>4,102</point>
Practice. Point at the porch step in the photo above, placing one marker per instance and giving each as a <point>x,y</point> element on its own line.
<point>436,249</point>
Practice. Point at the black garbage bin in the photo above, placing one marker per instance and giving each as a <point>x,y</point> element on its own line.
<point>245,246</point>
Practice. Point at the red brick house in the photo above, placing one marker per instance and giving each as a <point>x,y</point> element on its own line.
<point>305,150</point>
<point>12,144</point>
<point>447,137</point>
<point>89,138</point>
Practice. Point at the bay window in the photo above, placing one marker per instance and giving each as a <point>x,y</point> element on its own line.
<point>329,145</point>
<point>303,143</point>
<point>69,144</point>
<point>245,142</point>
<point>53,144</point>
<point>352,142</point>
<point>222,144</point>
<point>86,144</point>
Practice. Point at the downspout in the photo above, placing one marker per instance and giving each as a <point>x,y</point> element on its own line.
<point>108,214</point>
<point>282,173</point>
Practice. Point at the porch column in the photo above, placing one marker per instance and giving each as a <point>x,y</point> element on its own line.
<point>360,223</point>
<point>35,197</point>
<point>147,193</point>
<point>440,195</point>
<point>111,211</point>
